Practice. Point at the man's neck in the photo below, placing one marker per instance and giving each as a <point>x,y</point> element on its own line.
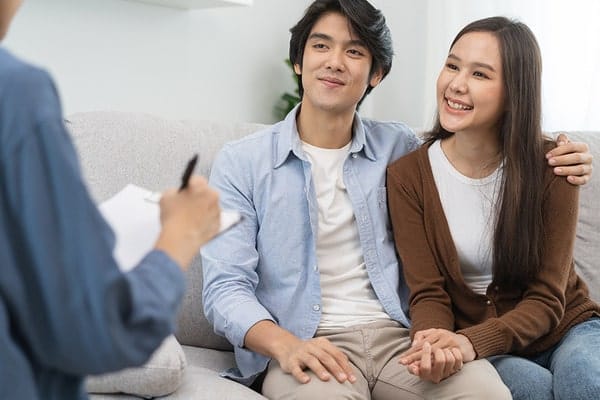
<point>324,129</point>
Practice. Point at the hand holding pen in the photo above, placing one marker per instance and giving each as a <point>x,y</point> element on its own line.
<point>188,172</point>
<point>190,216</point>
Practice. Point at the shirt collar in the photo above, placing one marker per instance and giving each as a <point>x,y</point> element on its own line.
<point>289,139</point>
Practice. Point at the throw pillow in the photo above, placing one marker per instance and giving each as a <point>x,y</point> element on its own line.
<point>161,375</point>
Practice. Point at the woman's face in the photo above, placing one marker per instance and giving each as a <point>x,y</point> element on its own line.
<point>470,87</point>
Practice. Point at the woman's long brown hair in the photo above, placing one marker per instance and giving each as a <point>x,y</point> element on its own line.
<point>519,224</point>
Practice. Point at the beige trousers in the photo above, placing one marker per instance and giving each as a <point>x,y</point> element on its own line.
<point>373,351</point>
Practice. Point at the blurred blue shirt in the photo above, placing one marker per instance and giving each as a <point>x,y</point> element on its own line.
<point>265,268</point>
<point>66,310</point>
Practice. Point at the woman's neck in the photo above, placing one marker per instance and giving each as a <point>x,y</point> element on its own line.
<point>475,156</point>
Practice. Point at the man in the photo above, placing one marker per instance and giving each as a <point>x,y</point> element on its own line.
<point>308,288</point>
<point>66,310</point>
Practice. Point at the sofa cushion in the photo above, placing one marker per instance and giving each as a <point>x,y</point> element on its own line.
<point>201,379</point>
<point>161,375</point>
<point>193,328</point>
<point>587,242</point>
<point>204,366</point>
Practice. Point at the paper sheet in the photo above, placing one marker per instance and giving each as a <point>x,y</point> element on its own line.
<point>134,215</point>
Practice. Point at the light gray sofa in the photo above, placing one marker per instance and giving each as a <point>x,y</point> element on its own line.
<point>120,148</point>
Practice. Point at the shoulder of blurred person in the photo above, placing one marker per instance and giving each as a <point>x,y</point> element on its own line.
<point>28,98</point>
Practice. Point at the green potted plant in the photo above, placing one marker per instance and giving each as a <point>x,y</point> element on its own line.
<point>287,101</point>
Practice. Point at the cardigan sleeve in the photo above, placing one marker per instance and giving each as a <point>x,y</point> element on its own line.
<point>430,304</point>
<point>542,305</point>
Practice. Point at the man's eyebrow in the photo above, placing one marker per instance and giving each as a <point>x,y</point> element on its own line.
<point>318,35</point>
<point>476,64</point>
<point>324,36</point>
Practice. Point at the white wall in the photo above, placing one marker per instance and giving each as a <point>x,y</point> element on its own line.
<point>222,63</point>
<point>227,63</point>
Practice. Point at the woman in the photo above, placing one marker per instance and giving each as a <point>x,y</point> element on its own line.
<point>485,230</point>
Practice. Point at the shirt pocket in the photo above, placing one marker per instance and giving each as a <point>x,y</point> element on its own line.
<point>379,205</point>
<point>382,199</point>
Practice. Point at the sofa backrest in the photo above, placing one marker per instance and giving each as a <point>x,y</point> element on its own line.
<point>587,243</point>
<point>119,148</point>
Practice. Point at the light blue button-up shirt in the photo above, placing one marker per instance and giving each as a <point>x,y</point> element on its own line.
<point>265,268</point>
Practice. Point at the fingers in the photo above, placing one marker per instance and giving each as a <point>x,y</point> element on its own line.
<point>437,364</point>
<point>206,207</point>
<point>571,159</point>
<point>453,362</point>
<point>562,139</point>
<point>189,219</point>
<point>197,184</point>
<point>423,335</point>
<point>322,358</point>
<point>298,373</point>
<point>437,338</point>
<point>578,180</point>
<point>459,360</point>
<point>425,365</point>
<point>433,363</point>
<point>335,361</point>
<point>576,174</point>
<point>412,355</point>
<point>564,146</point>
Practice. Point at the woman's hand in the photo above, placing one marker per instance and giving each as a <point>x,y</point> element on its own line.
<point>436,354</point>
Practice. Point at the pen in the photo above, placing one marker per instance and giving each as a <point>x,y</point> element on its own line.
<point>188,172</point>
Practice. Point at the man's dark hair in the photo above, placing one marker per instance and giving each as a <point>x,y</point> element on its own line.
<point>366,21</point>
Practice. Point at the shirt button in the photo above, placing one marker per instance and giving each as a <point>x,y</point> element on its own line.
<point>489,302</point>
<point>316,307</point>
<point>354,155</point>
<point>316,268</point>
<point>496,288</point>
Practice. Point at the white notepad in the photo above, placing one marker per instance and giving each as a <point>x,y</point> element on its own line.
<point>134,215</point>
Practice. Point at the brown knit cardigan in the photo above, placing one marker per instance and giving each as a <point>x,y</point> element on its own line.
<point>501,321</point>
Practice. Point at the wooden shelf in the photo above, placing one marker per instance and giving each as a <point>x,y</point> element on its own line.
<point>197,4</point>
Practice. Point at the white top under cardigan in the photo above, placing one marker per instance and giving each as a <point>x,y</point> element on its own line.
<point>469,206</point>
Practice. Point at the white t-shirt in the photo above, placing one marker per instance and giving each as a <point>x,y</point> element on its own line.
<point>469,205</point>
<point>346,292</point>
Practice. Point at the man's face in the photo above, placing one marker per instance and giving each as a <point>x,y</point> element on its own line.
<point>335,67</point>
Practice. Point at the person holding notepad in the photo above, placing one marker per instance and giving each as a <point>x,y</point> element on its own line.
<point>66,310</point>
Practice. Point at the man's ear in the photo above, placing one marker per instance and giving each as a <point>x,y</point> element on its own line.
<point>297,69</point>
<point>376,77</point>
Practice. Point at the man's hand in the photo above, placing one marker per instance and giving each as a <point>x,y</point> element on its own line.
<point>295,355</point>
<point>318,355</point>
<point>437,353</point>
<point>571,159</point>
